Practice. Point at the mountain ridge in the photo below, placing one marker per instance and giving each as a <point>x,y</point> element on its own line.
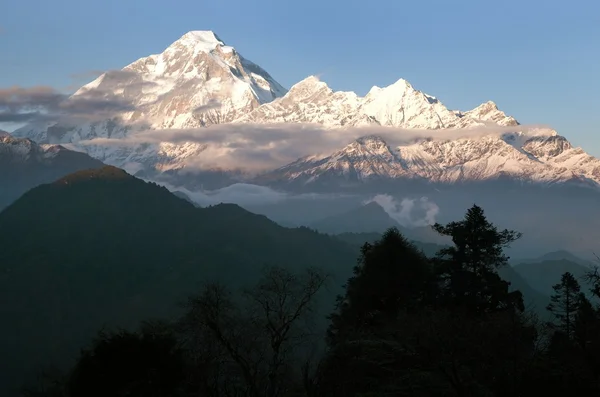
<point>199,81</point>
<point>115,250</point>
<point>24,164</point>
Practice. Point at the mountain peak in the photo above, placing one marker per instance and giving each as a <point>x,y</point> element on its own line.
<point>488,111</point>
<point>307,87</point>
<point>489,106</point>
<point>202,39</point>
<point>401,83</point>
<point>311,81</point>
<point>107,173</point>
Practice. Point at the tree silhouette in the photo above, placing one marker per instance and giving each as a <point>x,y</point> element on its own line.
<point>564,303</point>
<point>492,339</point>
<point>127,363</point>
<point>468,270</point>
<point>392,275</point>
<point>254,339</point>
<point>371,333</point>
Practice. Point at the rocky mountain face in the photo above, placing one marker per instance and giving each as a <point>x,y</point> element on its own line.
<point>24,164</point>
<point>398,105</point>
<point>544,159</point>
<point>196,82</point>
<point>199,82</point>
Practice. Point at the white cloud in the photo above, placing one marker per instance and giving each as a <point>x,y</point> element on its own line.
<point>255,147</point>
<point>238,193</point>
<point>408,212</point>
<point>245,194</point>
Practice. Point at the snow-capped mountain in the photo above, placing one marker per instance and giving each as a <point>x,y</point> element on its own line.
<point>199,81</point>
<point>397,105</point>
<point>487,112</point>
<point>310,101</point>
<point>24,164</point>
<point>545,158</point>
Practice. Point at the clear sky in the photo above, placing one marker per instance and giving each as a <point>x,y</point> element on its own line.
<point>538,60</point>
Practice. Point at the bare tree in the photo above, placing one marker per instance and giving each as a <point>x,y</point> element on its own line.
<point>254,339</point>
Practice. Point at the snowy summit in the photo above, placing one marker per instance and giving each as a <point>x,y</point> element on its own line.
<point>199,81</point>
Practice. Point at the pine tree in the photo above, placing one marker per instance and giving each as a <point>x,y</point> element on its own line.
<point>392,274</point>
<point>586,322</point>
<point>468,270</point>
<point>565,303</point>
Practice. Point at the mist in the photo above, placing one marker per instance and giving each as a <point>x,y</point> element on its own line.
<point>408,212</point>
<point>255,148</point>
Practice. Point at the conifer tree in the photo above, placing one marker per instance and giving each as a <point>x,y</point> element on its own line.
<point>468,270</point>
<point>565,303</point>
<point>585,326</point>
<point>392,274</point>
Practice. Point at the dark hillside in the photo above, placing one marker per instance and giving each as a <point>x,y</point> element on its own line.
<point>102,248</point>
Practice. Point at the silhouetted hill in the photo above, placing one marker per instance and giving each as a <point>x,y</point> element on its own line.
<point>372,218</point>
<point>184,196</point>
<point>558,255</point>
<point>367,218</point>
<point>544,274</point>
<point>102,248</point>
<point>25,164</point>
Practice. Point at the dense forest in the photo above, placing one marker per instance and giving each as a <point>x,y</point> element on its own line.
<point>405,325</point>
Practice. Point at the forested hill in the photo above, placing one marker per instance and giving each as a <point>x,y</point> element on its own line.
<point>535,300</point>
<point>102,248</point>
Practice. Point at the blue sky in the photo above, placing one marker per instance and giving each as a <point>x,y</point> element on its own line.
<point>538,60</point>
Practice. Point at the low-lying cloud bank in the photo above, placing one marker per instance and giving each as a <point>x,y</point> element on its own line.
<point>408,212</point>
<point>43,103</point>
<point>255,147</point>
<point>245,194</point>
<point>251,147</point>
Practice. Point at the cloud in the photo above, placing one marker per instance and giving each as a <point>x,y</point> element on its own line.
<point>251,147</point>
<point>408,212</point>
<point>42,103</point>
<point>256,147</point>
<point>245,194</point>
<point>238,193</point>
<point>241,194</point>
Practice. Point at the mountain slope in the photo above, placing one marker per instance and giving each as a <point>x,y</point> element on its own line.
<point>545,158</point>
<point>397,105</point>
<point>487,112</point>
<point>369,218</point>
<point>199,81</point>
<point>25,164</point>
<point>196,82</point>
<point>544,274</point>
<point>115,250</point>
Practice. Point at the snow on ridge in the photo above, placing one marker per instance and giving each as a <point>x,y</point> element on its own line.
<point>203,36</point>
<point>198,81</point>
